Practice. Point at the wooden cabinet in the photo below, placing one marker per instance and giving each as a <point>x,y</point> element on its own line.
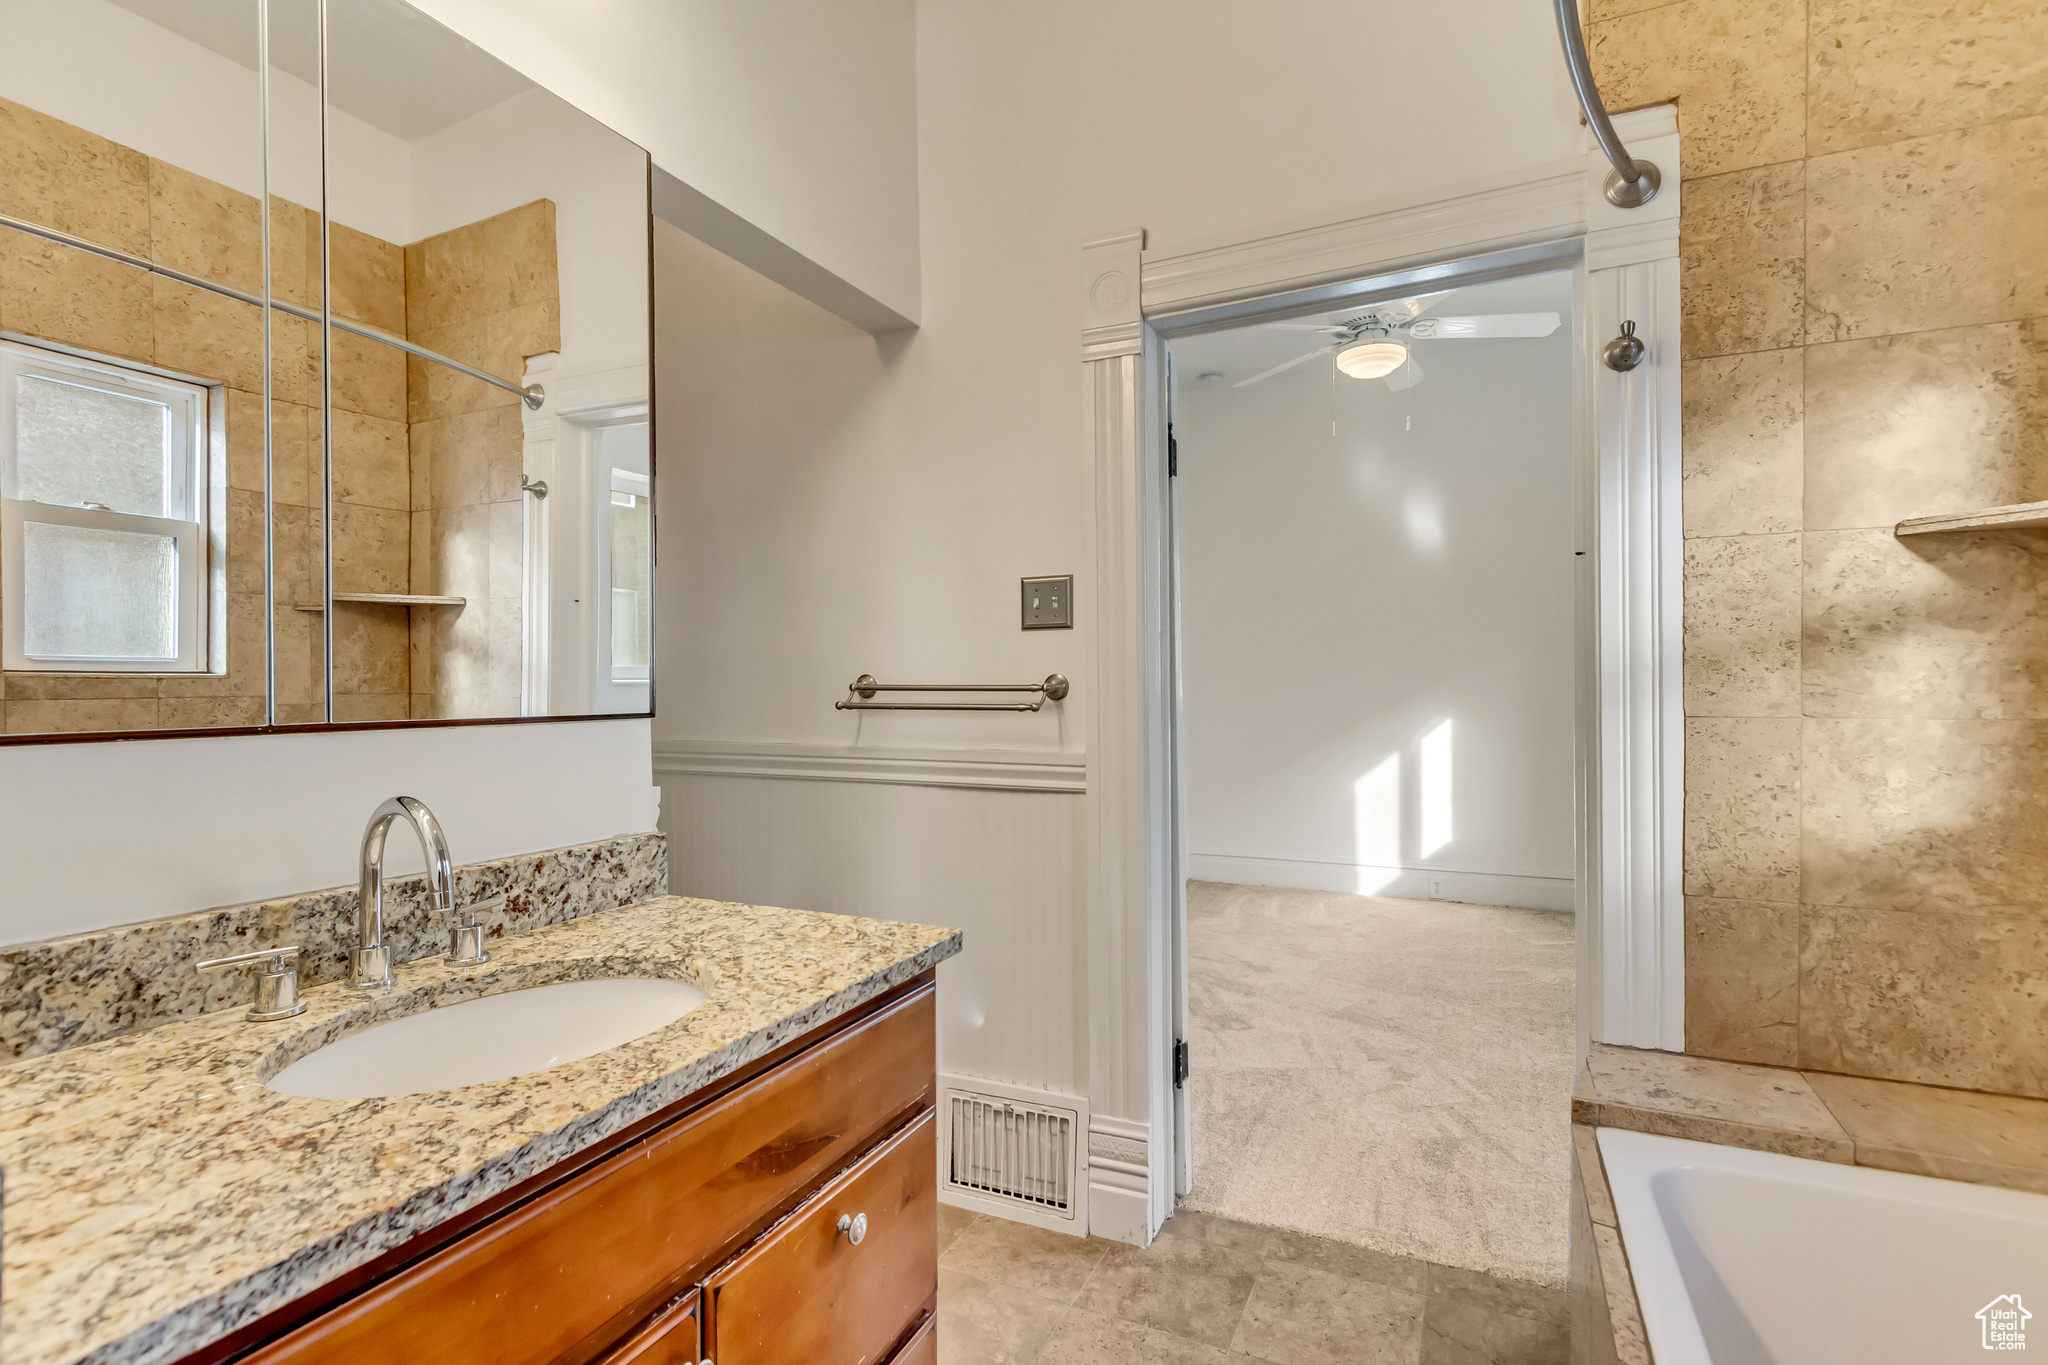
<point>674,1337</point>
<point>809,1293</point>
<point>741,1191</point>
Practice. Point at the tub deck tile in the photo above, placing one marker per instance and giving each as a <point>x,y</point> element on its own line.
<point>1766,1108</point>
<point>1949,1134</point>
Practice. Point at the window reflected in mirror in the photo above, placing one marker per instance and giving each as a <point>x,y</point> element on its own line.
<point>104,487</point>
<point>622,453</point>
<point>131,370</point>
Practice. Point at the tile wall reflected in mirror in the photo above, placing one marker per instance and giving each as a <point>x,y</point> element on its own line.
<point>468,234</point>
<point>299,412</point>
<point>496,227</point>
<point>131,402</point>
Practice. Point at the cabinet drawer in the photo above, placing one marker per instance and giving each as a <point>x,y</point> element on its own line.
<point>673,1338</point>
<point>922,1349</point>
<point>806,1295</point>
<point>562,1276</point>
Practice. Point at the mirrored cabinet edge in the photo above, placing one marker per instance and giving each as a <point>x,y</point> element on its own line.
<point>408,483</point>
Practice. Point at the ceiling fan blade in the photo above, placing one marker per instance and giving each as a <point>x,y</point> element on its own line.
<point>1486,325</point>
<point>1298,360</point>
<point>1407,377</point>
<point>1400,310</point>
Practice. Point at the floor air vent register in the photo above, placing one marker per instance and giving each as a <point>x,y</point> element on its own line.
<point>1008,1151</point>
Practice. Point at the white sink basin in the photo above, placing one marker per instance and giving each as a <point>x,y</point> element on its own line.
<point>489,1039</point>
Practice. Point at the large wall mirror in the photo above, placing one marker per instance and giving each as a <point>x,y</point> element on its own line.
<point>401,475</point>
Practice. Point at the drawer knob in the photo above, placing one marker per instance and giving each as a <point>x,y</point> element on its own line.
<point>854,1225</point>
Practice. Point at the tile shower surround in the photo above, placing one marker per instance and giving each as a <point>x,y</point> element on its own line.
<point>65,992</point>
<point>1865,339</point>
<point>426,461</point>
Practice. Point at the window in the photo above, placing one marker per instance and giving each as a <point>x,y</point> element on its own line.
<point>103,497</point>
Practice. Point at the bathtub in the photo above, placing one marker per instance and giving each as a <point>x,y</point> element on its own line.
<point>1750,1258</point>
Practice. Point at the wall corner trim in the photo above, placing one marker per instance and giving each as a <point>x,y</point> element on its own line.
<point>718,227</point>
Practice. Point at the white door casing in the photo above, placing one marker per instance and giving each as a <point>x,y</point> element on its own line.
<point>562,621</point>
<point>1129,995</point>
<point>1632,938</point>
<point>1630,741</point>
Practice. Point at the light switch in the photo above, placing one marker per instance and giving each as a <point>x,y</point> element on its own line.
<point>1049,603</point>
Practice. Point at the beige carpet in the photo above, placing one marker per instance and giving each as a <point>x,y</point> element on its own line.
<point>1394,1074</point>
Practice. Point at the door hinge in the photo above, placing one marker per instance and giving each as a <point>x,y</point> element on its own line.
<point>1172,454</point>
<point>1180,1063</point>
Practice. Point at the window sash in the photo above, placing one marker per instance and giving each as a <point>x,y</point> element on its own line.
<point>190,606</point>
<point>640,486</point>
<point>185,485</point>
<point>186,496</point>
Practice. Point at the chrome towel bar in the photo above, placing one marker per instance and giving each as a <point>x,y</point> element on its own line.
<point>1054,688</point>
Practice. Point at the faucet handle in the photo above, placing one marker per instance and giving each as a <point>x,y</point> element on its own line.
<point>277,986</point>
<point>466,938</point>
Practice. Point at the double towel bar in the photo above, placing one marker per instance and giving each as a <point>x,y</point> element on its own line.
<point>1054,688</point>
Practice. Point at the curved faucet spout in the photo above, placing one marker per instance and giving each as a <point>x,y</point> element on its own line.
<point>371,960</point>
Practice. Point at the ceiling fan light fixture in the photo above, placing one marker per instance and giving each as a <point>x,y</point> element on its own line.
<point>1372,359</point>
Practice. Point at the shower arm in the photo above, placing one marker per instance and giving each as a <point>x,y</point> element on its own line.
<point>1632,183</point>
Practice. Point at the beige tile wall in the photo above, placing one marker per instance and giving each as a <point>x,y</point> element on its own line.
<point>485,294</point>
<point>63,176</point>
<point>1864,256</point>
<point>372,481</point>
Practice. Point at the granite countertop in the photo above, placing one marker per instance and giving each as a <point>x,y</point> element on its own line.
<point>158,1196</point>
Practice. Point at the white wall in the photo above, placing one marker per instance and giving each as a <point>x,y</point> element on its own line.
<point>96,65</point>
<point>99,834</point>
<point>1377,615</point>
<point>775,460</point>
<point>833,503</point>
<point>798,115</point>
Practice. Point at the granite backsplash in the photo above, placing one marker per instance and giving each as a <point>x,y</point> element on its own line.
<point>64,992</point>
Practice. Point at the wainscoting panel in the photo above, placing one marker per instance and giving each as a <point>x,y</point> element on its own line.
<point>901,841</point>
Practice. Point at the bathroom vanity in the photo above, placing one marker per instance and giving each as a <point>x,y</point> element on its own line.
<point>712,1228</point>
<point>753,1183</point>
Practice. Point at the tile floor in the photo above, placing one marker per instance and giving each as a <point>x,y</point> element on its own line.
<point>1210,1291</point>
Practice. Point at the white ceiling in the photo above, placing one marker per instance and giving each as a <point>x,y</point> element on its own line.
<point>1245,351</point>
<point>388,64</point>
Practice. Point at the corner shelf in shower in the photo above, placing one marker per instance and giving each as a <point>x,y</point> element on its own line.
<point>395,599</point>
<point>2017,515</point>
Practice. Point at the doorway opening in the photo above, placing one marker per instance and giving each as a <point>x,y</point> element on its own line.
<point>1379,654</point>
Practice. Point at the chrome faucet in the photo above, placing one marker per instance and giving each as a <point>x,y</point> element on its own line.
<point>370,962</point>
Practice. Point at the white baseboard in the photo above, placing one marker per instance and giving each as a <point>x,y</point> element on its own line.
<point>1410,883</point>
<point>1117,1214</point>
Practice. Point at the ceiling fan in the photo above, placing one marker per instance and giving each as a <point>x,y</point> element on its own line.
<point>1374,345</point>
